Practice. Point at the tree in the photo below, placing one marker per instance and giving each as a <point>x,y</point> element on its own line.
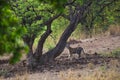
<point>102,15</point>
<point>37,20</point>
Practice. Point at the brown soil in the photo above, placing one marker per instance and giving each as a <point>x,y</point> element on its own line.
<point>64,63</point>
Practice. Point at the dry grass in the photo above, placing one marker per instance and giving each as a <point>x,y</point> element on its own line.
<point>114,64</point>
<point>114,30</point>
<point>90,65</point>
<point>91,72</point>
<point>99,74</point>
<point>96,75</point>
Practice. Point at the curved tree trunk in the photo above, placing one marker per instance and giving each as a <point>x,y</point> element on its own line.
<point>50,55</point>
<point>39,50</point>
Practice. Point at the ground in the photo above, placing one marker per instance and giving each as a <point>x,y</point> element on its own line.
<point>65,68</point>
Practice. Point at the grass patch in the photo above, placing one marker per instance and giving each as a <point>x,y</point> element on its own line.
<point>110,74</point>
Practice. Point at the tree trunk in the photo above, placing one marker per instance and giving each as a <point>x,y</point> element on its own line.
<point>29,40</point>
<point>50,55</point>
<point>38,52</point>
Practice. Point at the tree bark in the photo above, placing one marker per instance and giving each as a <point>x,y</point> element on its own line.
<point>38,52</point>
<point>50,55</point>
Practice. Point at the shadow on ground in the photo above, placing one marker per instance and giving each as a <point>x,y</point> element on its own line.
<point>62,63</point>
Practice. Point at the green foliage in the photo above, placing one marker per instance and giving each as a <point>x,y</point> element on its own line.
<point>58,27</point>
<point>32,14</point>
<point>49,46</point>
<point>100,15</point>
<point>56,4</point>
<point>17,54</point>
<point>10,32</point>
